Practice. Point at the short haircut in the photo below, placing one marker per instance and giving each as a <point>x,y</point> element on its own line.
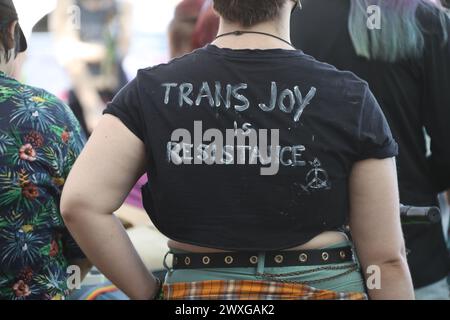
<point>248,13</point>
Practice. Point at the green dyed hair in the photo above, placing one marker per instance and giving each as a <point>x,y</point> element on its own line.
<point>401,35</point>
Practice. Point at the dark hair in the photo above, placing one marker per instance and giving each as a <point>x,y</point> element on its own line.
<point>248,12</point>
<point>6,42</point>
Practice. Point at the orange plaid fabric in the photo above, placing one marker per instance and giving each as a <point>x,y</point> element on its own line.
<point>252,290</point>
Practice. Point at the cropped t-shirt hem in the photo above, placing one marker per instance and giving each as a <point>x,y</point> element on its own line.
<point>390,150</point>
<point>307,236</point>
<point>240,248</point>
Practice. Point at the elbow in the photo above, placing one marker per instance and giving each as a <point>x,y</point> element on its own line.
<point>71,208</point>
<point>383,255</point>
<point>396,267</point>
<point>395,262</point>
<point>68,213</point>
<point>394,258</point>
<point>79,207</point>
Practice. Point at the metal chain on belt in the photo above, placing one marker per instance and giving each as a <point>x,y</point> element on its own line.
<point>276,277</point>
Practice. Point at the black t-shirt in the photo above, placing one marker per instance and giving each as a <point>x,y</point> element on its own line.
<point>414,94</point>
<point>216,123</point>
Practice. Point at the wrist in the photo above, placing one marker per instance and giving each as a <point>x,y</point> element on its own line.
<point>157,289</point>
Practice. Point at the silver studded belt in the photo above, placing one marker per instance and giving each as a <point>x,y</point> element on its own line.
<point>272,259</point>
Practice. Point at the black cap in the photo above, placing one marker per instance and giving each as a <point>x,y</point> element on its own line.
<point>8,14</point>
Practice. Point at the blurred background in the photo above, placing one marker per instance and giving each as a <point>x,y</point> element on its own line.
<point>148,41</point>
<point>84,51</point>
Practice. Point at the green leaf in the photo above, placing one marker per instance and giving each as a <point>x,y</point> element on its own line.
<point>45,251</point>
<point>57,130</point>
<point>6,93</point>
<point>10,190</point>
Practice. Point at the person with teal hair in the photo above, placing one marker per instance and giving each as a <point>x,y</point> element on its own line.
<point>402,49</point>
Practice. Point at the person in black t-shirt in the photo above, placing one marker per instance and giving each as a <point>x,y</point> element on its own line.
<point>409,74</point>
<point>258,156</point>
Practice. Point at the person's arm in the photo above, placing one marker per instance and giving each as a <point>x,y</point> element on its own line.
<point>70,152</point>
<point>112,162</point>
<point>376,229</point>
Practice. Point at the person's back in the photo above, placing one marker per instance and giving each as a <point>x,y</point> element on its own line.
<point>315,120</point>
<point>254,148</point>
<point>413,93</point>
<point>40,140</point>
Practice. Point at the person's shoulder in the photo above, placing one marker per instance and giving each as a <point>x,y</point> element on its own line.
<point>340,84</point>
<point>49,108</point>
<point>33,109</point>
<point>21,93</point>
<point>43,97</point>
<point>175,64</point>
<point>10,87</point>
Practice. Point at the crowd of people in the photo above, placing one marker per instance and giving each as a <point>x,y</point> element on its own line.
<point>361,111</point>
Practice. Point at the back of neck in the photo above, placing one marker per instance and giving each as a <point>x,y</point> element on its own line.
<point>254,41</point>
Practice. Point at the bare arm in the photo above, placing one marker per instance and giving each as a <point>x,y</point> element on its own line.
<point>111,163</point>
<point>376,228</point>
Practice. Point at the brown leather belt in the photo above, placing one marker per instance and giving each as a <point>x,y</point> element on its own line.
<point>272,259</point>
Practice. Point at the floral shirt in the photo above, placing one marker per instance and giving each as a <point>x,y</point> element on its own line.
<point>40,140</point>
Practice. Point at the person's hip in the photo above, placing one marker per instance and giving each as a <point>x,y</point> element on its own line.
<point>330,273</point>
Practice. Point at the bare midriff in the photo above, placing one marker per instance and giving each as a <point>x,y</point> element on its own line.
<point>323,240</point>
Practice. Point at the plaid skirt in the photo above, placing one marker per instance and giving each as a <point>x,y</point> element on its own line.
<point>252,290</point>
